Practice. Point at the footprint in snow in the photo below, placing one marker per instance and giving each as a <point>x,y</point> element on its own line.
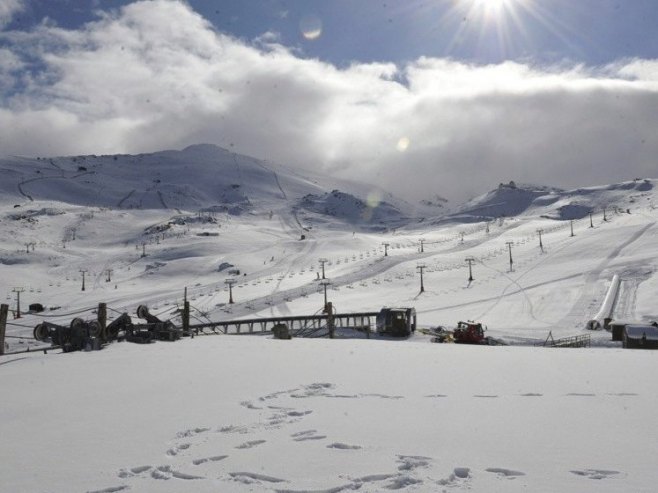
<point>203,460</point>
<point>179,448</point>
<point>111,489</point>
<point>252,477</point>
<point>508,473</point>
<point>250,444</point>
<point>596,473</point>
<point>191,432</point>
<point>459,474</point>
<point>343,446</point>
<point>166,473</point>
<point>411,462</point>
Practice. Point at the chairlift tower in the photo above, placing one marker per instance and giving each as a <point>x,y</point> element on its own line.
<point>541,245</point>
<point>386,245</point>
<point>18,292</point>
<point>420,268</point>
<point>322,262</point>
<point>83,272</point>
<point>470,261</point>
<point>230,283</point>
<point>511,262</point>
<point>324,285</point>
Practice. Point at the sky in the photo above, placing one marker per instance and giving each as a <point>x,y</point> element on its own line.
<point>424,98</point>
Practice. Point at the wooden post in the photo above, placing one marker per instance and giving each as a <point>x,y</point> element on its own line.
<point>102,319</point>
<point>330,319</point>
<point>186,318</point>
<point>4,309</point>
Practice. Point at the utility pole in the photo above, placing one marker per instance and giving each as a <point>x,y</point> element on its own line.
<point>322,262</point>
<point>324,284</point>
<point>605,218</point>
<point>83,271</point>
<point>511,262</point>
<point>487,227</point>
<point>422,249</point>
<point>109,275</point>
<point>591,224</point>
<point>18,292</point>
<point>143,249</point>
<point>470,261</point>
<point>230,283</point>
<point>386,245</point>
<point>571,223</point>
<point>541,245</point>
<point>421,268</point>
<point>4,310</point>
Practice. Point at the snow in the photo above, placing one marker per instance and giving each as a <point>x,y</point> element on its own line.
<point>256,414</point>
<point>250,413</point>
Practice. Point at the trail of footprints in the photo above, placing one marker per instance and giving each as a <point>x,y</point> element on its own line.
<point>409,467</point>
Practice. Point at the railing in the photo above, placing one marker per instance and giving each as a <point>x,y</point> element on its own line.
<point>573,341</point>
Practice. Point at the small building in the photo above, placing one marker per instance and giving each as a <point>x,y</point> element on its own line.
<point>616,327</point>
<point>36,308</point>
<point>640,337</point>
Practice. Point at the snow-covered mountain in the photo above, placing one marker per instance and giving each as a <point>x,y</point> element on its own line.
<point>511,199</point>
<point>201,177</point>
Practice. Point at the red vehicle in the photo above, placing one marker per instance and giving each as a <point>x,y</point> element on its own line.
<point>469,333</point>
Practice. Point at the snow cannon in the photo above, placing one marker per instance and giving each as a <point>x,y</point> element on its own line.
<point>80,335</point>
<point>162,331</point>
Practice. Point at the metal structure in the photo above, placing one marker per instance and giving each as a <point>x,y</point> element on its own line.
<point>470,261</point>
<point>511,262</point>
<point>230,283</point>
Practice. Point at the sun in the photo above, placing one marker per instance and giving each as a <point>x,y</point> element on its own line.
<point>494,7</point>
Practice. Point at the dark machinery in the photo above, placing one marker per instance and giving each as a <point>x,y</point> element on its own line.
<point>162,331</point>
<point>397,322</point>
<point>80,335</point>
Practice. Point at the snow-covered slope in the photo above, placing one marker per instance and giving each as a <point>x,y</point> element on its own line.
<point>252,414</point>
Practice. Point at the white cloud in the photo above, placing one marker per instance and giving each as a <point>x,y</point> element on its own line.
<point>9,8</point>
<point>156,75</point>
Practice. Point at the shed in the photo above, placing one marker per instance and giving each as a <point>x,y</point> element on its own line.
<point>36,307</point>
<point>616,327</point>
<point>641,337</point>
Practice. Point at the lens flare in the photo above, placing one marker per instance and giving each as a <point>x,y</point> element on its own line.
<point>374,199</point>
<point>310,27</point>
<point>403,144</point>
